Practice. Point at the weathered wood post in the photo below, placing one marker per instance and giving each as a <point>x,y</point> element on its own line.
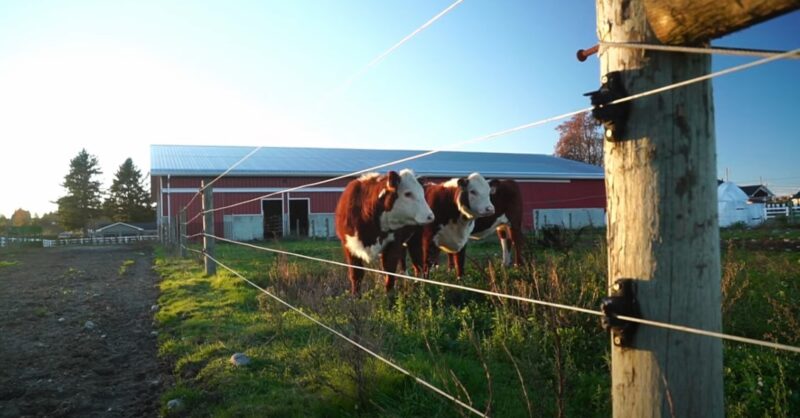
<point>182,242</point>
<point>662,224</point>
<point>208,229</point>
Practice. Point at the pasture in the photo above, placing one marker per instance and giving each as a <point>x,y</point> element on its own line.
<point>510,359</point>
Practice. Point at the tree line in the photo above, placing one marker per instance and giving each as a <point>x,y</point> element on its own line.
<point>85,204</point>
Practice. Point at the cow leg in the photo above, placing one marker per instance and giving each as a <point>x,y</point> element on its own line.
<point>389,260</point>
<point>460,258</point>
<point>451,262</point>
<point>415,252</point>
<point>504,236</point>
<point>429,255</point>
<point>402,259</point>
<point>355,274</point>
<point>517,241</point>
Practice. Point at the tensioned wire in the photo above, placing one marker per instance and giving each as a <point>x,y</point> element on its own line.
<point>389,363</point>
<point>682,328</point>
<point>504,132</point>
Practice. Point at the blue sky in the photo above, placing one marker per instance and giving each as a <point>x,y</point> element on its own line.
<point>114,77</point>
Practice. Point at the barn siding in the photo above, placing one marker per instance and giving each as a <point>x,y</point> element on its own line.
<point>535,195</point>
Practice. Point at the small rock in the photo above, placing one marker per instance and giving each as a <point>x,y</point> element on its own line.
<point>89,325</point>
<point>40,344</point>
<point>240,359</point>
<point>61,319</point>
<point>154,333</point>
<point>175,404</point>
<point>154,308</point>
<point>155,382</point>
<point>103,336</point>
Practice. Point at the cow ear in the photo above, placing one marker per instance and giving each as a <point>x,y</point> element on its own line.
<point>392,181</point>
<point>463,182</point>
<point>493,185</point>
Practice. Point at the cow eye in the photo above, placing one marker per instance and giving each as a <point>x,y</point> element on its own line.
<point>473,192</point>
<point>408,194</point>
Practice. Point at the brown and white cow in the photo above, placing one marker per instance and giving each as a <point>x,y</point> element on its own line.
<point>456,205</point>
<point>506,220</point>
<point>372,211</point>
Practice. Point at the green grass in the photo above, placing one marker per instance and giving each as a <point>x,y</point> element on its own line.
<point>488,352</point>
<point>7,263</point>
<point>125,266</point>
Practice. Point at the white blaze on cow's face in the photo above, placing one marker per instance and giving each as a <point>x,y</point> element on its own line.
<point>410,207</point>
<point>479,192</point>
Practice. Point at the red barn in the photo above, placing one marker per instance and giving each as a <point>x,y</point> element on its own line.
<point>555,190</point>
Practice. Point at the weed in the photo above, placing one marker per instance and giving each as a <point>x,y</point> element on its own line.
<point>6,263</point>
<point>485,351</point>
<point>125,266</point>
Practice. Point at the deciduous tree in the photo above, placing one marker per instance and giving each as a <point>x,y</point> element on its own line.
<point>581,139</point>
<point>21,217</point>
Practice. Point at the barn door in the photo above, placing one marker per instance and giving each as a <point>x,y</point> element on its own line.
<point>298,217</point>
<point>273,218</point>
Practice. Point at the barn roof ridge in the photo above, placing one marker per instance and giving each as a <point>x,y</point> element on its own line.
<point>205,160</point>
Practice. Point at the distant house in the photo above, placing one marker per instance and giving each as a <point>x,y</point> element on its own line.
<point>796,199</point>
<point>122,229</point>
<point>757,193</point>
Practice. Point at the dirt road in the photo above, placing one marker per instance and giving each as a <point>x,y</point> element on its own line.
<point>76,333</point>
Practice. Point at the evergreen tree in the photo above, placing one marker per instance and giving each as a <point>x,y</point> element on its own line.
<point>82,202</point>
<point>128,200</point>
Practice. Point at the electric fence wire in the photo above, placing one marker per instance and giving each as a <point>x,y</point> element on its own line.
<point>519,128</point>
<point>659,324</point>
<point>386,361</point>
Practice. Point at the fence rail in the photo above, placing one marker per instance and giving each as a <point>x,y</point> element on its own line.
<point>774,210</point>
<point>98,240</point>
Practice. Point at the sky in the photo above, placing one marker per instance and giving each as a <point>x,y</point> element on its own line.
<point>115,77</point>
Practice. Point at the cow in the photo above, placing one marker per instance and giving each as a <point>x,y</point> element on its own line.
<point>372,211</point>
<point>506,220</point>
<point>456,204</point>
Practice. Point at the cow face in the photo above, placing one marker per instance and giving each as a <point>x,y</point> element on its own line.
<point>406,205</point>
<point>474,201</point>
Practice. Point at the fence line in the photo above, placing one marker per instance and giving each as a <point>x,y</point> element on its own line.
<point>524,299</point>
<point>98,240</point>
<point>389,363</point>
<point>519,128</point>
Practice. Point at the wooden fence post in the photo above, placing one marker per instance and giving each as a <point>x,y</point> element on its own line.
<point>182,242</point>
<point>662,224</point>
<point>208,229</point>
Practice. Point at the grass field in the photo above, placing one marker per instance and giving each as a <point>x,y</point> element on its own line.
<point>507,358</point>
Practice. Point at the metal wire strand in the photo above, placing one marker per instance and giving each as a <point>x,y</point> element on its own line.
<point>504,132</point>
<point>529,300</point>
<point>742,52</point>
<point>351,341</point>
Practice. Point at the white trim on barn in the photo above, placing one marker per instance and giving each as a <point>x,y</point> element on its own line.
<point>254,190</point>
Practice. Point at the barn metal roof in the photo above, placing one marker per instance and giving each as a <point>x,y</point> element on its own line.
<point>183,160</point>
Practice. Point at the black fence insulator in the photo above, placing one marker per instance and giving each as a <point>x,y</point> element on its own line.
<point>613,116</point>
<point>621,302</point>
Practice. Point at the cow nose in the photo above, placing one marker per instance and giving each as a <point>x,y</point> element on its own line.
<point>430,218</point>
<point>489,209</point>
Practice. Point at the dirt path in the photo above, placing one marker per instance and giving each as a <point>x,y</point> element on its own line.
<point>51,363</point>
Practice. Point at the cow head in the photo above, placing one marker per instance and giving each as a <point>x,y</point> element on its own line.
<point>474,198</point>
<point>404,201</point>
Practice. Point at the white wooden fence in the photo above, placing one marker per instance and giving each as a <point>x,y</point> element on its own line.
<point>774,210</point>
<point>6,241</point>
<point>98,240</point>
